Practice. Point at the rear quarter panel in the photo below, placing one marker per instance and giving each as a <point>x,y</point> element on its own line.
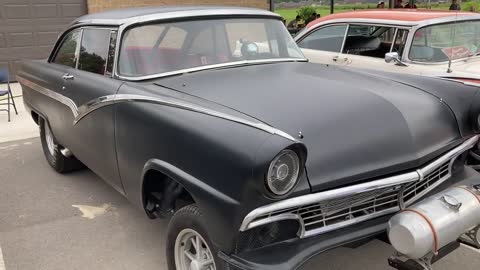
<point>48,76</point>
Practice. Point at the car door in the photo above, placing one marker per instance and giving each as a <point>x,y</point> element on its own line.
<point>324,44</point>
<point>92,137</point>
<point>365,46</point>
<point>49,76</point>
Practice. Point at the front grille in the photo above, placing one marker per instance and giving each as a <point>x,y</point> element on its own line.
<point>324,214</point>
<point>331,210</point>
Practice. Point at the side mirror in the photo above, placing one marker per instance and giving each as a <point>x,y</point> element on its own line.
<point>393,56</point>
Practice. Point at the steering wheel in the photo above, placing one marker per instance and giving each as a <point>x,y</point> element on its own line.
<point>249,49</point>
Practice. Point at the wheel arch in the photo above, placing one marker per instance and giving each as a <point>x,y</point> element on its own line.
<point>159,174</point>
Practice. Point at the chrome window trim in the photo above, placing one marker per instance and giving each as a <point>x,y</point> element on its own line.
<point>122,24</point>
<point>80,112</point>
<point>62,35</point>
<point>157,18</point>
<point>79,46</point>
<point>168,15</point>
<point>314,28</point>
<point>251,220</point>
<point>208,67</point>
<point>394,40</point>
<point>345,35</point>
<point>367,22</point>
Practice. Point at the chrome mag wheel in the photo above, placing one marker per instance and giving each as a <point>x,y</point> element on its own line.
<point>192,252</point>
<point>49,140</point>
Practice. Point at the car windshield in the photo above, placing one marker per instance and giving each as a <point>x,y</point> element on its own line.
<point>439,43</point>
<point>169,47</point>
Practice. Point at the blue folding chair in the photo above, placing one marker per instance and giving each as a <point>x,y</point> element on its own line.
<point>4,78</point>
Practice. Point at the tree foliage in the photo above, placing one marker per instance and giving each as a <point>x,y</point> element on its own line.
<point>306,12</point>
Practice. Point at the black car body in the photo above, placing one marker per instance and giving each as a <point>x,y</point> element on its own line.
<point>207,134</point>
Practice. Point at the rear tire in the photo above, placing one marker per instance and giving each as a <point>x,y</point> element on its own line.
<point>51,149</point>
<point>184,230</point>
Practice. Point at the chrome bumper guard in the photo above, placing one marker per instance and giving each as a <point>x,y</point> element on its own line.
<point>334,209</point>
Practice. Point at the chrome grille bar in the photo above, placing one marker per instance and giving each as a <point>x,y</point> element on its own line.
<point>333,209</point>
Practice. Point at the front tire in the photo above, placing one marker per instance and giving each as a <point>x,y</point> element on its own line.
<point>188,245</point>
<point>51,150</point>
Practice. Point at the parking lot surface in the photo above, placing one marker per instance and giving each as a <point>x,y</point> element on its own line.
<point>76,221</point>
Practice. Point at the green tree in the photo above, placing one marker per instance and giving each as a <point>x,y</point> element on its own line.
<point>306,12</point>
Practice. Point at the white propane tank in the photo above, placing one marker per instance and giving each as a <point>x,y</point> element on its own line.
<point>434,222</point>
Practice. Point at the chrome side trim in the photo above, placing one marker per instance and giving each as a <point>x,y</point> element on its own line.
<point>286,216</point>
<point>50,93</point>
<point>254,218</point>
<point>80,112</point>
<point>98,103</point>
<point>326,195</point>
<point>169,15</point>
<point>215,66</point>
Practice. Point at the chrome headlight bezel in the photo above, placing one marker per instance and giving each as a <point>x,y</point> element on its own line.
<point>281,170</point>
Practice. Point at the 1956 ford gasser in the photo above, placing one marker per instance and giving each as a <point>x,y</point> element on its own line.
<point>212,115</point>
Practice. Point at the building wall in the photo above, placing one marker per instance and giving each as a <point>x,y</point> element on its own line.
<point>100,5</point>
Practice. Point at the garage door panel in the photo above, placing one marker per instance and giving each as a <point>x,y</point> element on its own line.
<point>17,11</point>
<point>72,10</point>
<point>3,43</point>
<point>29,28</point>
<point>47,38</point>
<point>45,11</point>
<point>16,40</point>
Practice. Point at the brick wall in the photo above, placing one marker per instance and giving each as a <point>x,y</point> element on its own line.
<point>100,5</point>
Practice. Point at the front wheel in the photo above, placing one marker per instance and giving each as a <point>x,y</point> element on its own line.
<point>188,246</point>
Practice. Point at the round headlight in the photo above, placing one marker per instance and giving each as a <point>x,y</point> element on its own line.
<point>283,172</point>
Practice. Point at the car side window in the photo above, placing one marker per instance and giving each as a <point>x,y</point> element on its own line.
<point>328,38</point>
<point>369,40</point>
<point>94,50</point>
<point>67,54</point>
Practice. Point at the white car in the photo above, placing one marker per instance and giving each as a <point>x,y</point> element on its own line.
<point>422,42</point>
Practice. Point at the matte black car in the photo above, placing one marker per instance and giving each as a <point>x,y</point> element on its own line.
<point>212,115</point>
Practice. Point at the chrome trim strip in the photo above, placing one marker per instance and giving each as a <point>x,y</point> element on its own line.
<point>168,15</point>
<point>52,94</point>
<point>215,66</point>
<point>326,195</point>
<point>80,112</point>
<point>286,216</point>
<point>100,102</point>
<point>251,220</point>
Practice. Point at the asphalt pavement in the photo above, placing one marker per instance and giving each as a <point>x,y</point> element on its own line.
<point>76,221</point>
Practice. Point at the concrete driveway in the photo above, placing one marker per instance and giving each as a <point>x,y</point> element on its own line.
<point>42,224</point>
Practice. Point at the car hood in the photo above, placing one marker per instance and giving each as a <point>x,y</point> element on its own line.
<point>355,126</point>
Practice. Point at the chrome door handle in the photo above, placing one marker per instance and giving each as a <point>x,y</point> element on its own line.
<point>67,77</point>
<point>339,60</point>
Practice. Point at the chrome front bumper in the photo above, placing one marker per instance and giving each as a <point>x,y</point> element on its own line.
<point>338,208</point>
